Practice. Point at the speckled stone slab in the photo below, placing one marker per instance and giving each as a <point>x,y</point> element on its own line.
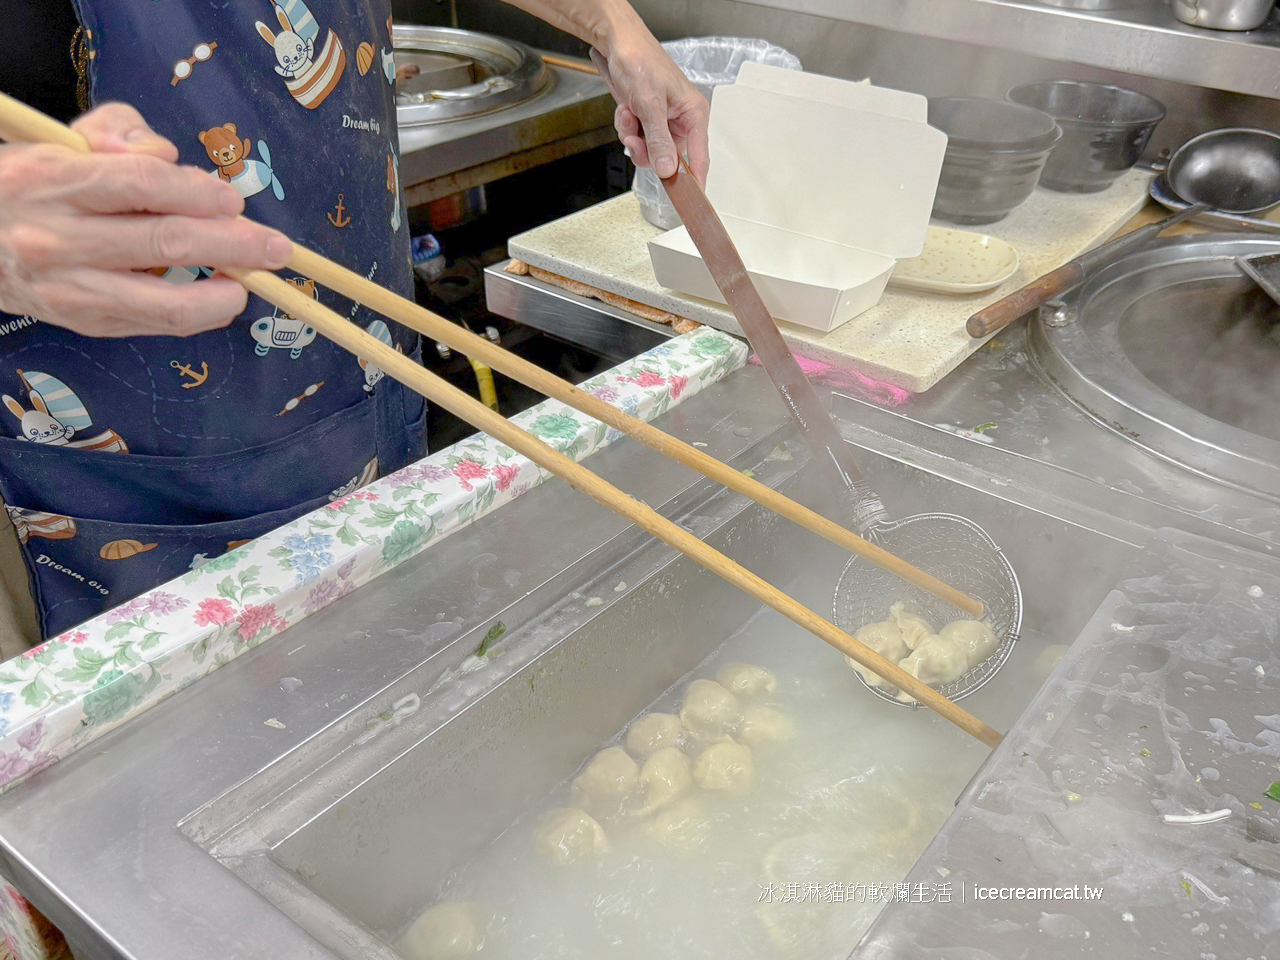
<point>910,340</point>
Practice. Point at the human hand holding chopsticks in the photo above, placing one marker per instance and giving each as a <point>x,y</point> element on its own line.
<point>76,228</point>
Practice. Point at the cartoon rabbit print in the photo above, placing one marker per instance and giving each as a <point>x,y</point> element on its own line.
<point>311,69</point>
<point>57,416</point>
<point>294,48</point>
<point>38,425</point>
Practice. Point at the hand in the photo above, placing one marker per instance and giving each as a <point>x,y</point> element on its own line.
<point>659,111</point>
<point>74,227</point>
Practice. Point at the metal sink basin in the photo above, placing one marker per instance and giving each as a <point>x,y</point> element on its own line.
<point>1173,349</point>
<point>353,832</point>
<point>461,73</point>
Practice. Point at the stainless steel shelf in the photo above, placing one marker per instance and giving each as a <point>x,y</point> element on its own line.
<point>1141,38</point>
<point>606,331</point>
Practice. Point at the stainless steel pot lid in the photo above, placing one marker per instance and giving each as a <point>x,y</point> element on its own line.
<point>462,74</point>
<point>1173,348</point>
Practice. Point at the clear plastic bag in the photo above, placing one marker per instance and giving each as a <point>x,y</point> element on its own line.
<point>708,62</point>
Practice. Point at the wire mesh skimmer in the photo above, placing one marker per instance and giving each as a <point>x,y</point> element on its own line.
<point>955,550</point>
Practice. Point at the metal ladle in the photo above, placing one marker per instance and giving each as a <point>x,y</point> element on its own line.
<point>1233,170</point>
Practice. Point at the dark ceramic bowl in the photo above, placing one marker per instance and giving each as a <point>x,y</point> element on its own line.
<point>1104,130</point>
<point>995,154</point>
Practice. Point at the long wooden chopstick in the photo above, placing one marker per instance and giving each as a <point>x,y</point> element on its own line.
<point>23,123</point>
<point>346,334</point>
<point>19,122</point>
<point>568,63</point>
<point>381,300</point>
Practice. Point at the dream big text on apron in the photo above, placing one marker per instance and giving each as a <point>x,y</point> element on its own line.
<point>127,462</point>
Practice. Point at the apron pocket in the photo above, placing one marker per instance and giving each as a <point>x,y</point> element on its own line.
<point>80,567</point>
<point>335,456</point>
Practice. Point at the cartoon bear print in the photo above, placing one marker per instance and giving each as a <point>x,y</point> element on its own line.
<point>226,150</point>
<point>229,153</point>
<point>310,74</point>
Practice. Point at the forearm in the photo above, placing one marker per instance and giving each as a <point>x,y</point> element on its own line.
<point>597,22</point>
<point>660,113</point>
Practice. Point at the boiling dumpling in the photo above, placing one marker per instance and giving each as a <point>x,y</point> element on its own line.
<point>974,637</point>
<point>915,629</point>
<point>684,823</point>
<point>652,732</point>
<point>726,765</point>
<point>710,711</point>
<point>568,834</point>
<point>611,775</point>
<point>665,775</point>
<point>447,931</point>
<point>885,638</point>
<point>761,725</point>
<point>746,680</point>
<point>936,661</point>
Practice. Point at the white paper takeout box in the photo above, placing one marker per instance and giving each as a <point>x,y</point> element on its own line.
<point>823,185</point>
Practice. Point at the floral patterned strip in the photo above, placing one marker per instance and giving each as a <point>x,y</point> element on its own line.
<point>74,688</point>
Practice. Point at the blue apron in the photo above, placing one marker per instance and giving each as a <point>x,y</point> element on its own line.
<point>127,462</point>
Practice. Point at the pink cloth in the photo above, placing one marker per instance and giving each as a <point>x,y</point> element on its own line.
<point>864,387</point>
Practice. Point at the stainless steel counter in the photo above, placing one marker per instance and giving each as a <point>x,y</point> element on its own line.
<point>113,842</point>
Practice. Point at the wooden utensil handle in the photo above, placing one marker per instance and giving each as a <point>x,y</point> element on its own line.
<point>14,124</point>
<point>352,285</point>
<point>569,64</point>
<point>1000,314</point>
<point>298,304</point>
<point>18,122</point>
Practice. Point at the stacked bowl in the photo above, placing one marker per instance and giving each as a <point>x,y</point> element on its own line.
<point>1064,135</point>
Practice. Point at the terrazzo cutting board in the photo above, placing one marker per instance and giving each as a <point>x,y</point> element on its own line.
<point>910,340</point>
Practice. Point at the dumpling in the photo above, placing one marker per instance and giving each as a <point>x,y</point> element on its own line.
<point>762,725</point>
<point>652,732</point>
<point>568,834</point>
<point>664,776</point>
<point>726,765</point>
<point>684,823</point>
<point>746,680</point>
<point>709,711</point>
<point>885,638</point>
<point>448,931</point>
<point>974,637</point>
<point>611,775</point>
<point>915,629</point>
<point>936,661</point>
<point>608,785</point>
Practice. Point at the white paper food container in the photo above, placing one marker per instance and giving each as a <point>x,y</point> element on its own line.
<point>823,185</point>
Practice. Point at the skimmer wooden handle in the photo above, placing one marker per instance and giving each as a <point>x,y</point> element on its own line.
<point>1000,314</point>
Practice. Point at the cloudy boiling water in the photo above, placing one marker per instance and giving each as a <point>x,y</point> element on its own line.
<point>854,799</point>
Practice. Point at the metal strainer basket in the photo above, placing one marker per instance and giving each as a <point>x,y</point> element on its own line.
<point>958,552</point>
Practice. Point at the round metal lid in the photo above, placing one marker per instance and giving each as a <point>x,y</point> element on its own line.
<point>1175,349</point>
<point>462,74</point>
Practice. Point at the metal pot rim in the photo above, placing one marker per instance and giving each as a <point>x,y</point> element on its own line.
<point>526,75</point>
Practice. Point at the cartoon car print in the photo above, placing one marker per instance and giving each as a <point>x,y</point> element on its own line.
<point>282,332</point>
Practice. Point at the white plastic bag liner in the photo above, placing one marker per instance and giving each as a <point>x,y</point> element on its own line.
<point>708,62</point>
